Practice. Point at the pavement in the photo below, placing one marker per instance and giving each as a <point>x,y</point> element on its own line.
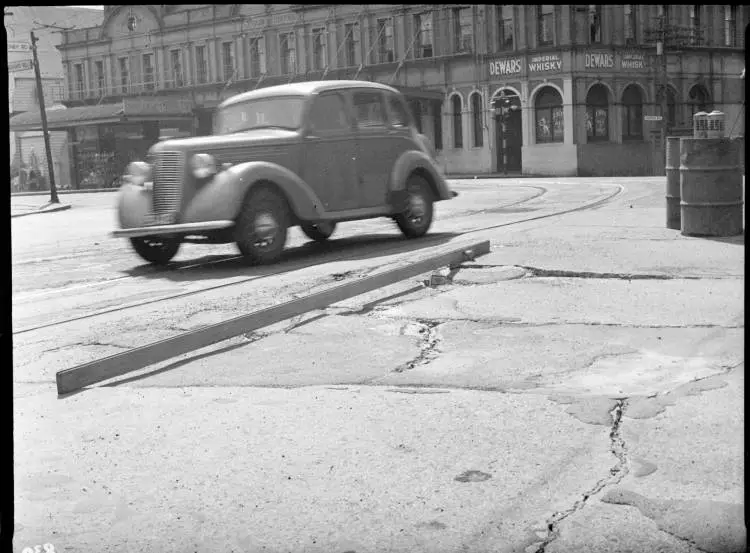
<point>579,389</point>
<point>29,206</point>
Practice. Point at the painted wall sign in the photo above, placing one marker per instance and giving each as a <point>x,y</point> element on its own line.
<point>21,65</point>
<point>633,60</point>
<point>545,63</point>
<point>19,47</point>
<point>599,60</point>
<point>507,66</point>
<point>273,21</point>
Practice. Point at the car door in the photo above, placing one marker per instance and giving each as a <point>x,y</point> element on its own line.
<point>329,166</point>
<point>375,155</point>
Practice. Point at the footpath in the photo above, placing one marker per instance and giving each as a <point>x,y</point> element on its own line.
<point>579,389</point>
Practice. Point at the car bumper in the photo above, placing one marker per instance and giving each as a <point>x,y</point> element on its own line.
<point>184,229</point>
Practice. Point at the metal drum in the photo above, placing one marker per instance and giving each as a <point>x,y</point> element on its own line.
<point>673,182</point>
<point>710,187</point>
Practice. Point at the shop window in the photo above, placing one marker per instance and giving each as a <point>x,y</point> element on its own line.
<point>463,30</point>
<point>369,109</point>
<point>385,41</point>
<point>476,119</point>
<point>630,22</point>
<point>288,54</point>
<point>351,44</point>
<point>177,75</point>
<point>632,114</point>
<point>227,59</point>
<point>505,29</point>
<point>148,71</point>
<point>699,101</point>
<point>730,26</point>
<point>597,114</point>
<point>258,56</point>
<point>595,24</point>
<point>696,32</point>
<point>671,107</point>
<point>545,21</point>
<point>423,25</point>
<point>201,65</point>
<point>124,75</point>
<point>548,114</point>
<point>458,135</point>
<point>320,50</point>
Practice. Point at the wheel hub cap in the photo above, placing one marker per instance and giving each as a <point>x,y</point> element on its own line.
<point>265,228</point>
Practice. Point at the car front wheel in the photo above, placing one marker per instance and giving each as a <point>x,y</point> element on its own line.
<point>158,250</point>
<point>262,226</point>
<point>416,218</point>
<point>320,232</point>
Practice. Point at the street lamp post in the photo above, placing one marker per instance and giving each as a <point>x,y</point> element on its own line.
<point>40,95</point>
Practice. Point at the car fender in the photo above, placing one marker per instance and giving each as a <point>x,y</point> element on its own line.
<point>221,198</point>
<point>133,205</point>
<point>414,160</point>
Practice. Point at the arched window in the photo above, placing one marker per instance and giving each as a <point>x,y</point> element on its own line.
<point>699,100</point>
<point>476,119</point>
<point>671,107</point>
<point>458,137</point>
<point>597,114</point>
<point>549,116</point>
<point>632,113</point>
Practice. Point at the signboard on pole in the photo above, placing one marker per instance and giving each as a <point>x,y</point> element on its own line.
<point>652,118</point>
<point>21,65</point>
<point>19,47</point>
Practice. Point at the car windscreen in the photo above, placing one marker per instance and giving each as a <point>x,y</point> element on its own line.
<point>285,113</point>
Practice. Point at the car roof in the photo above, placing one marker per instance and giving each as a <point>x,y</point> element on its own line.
<point>306,88</point>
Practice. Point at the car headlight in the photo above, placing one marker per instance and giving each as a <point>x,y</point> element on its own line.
<point>203,165</point>
<point>138,172</point>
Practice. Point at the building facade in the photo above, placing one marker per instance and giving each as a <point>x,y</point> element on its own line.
<point>27,147</point>
<point>535,89</point>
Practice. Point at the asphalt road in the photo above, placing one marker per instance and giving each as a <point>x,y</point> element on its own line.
<point>578,389</point>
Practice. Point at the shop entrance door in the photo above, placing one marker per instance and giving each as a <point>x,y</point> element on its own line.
<point>511,154</point>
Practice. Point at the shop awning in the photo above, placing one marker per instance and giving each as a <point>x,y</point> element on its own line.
<point>411,92</point>
<point>131,109</point>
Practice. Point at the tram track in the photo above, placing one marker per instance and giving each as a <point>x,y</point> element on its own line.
<point>302,264</point>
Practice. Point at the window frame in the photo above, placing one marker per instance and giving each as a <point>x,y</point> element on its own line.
<point>257,49</point>
<point>385,47</point>
<point>148,71</point>
<point>542,24</point>
<point>459,27</point>
<point>391,97</point>
<point>695,25</point>
<point>124,69</point>
<point>695,107</point>
<point>176,71</point>
<point>457,122</point>
<point>630,17</point>
<point>288,53</point>
<point>201,64</point>
<point>595,24</point>
<point>419,23</point>
<point>319,48</point>
<point>224,65</point>
<point>101,78</point>
<point>730,26</point>
<point>347,113</point>
<point>80,80</point>
<point>351,39</point>
<point>502,39</point>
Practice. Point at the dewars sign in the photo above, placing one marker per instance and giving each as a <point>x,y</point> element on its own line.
<point>599,60</point>
<point>507,66</point>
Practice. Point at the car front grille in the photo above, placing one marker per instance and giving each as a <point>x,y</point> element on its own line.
<point>169,172</point>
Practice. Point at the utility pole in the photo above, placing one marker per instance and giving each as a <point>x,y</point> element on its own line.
<point>40,95</point>
<point>662,54</point>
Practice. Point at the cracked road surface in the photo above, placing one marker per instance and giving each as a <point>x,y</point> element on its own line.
<point>579,389</point>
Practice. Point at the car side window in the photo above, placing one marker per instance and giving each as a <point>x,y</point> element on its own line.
<point>328,113</point>
<point>398,114</point>
<point>369,109</point>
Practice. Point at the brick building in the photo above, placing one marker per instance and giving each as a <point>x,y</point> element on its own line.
<point>579,79</point>
<point>22,93</point>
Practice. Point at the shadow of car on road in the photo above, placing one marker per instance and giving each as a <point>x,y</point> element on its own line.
<point>311,253</point>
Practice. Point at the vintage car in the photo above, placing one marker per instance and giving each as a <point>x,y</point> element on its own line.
<point>310,154</point>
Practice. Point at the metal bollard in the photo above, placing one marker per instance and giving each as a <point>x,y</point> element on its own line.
<point>673,182</point>
<point>711,196</point>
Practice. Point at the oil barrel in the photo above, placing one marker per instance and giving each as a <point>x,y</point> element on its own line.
<point>673,182</point>
<point>711,202</point>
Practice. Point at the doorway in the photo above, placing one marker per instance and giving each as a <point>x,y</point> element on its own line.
<point>508,140</point>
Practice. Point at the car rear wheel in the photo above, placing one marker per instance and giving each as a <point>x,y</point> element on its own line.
<point>262,226</point>
<point>320,232</point>
<point>158,250</point>
<point>416,218</point>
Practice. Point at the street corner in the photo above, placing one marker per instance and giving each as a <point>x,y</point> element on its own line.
<point>49,207</point>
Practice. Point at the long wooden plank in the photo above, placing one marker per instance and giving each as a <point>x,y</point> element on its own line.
<point>75,378</point>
